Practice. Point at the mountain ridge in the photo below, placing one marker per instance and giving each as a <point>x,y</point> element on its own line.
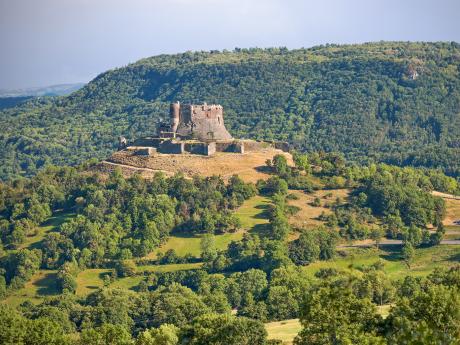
<point>396,102</point>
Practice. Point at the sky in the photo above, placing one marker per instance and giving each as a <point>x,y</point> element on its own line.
<point>47,42</point>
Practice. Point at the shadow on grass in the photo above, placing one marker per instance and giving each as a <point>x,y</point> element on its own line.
<point>47,285</point>
<point>265,211</point>
<point>454,258</point>
<point>392,252</point>
<point>260,229</point>
<point>264,169</point>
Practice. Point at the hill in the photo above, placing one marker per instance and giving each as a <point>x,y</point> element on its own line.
<point>395,102</point>
<point>52,90</point>
<point>249,166</point>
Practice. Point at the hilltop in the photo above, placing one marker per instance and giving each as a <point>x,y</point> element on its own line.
<point>396,102</point>
<point>250,166</point>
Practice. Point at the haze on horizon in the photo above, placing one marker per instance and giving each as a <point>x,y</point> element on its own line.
<point>53,41</point>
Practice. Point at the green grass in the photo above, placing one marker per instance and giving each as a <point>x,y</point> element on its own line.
<point>90,280</point>
<point>285,330</point>
<point>425,261</point>
<point>52,224</point>
<point>169,268</point>
<point>452,232</point>
<point>127,283</point>
<point>252,215</point>
<point>42,284</point>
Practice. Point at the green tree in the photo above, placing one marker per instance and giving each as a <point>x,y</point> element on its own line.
<point>430,316</point>
<point>164,335</point>
<point>217,329</point>
<point>408,253</point>
<point>107,334</point>
<point>334,315</point>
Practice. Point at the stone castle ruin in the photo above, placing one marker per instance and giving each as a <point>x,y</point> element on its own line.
<point>201,122</point>
<point>194,129</point>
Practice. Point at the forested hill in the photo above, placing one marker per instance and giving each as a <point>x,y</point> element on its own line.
<point>395,102</point>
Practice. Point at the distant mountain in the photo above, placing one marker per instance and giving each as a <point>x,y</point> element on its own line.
<point>397,102</point>
<point>53,90</point>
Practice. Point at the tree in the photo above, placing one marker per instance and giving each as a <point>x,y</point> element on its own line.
<point>301,161</point>
<point>107,334</point>
<point>164,335</point>
<point>429,316</point>
<point>334,315</point>
<point>218,329</point>
<point>408,253</point>
<point>437,237</point>
<point>281,303</point>
<point>126,268</point>
<point>306,249</point>
<point>176,305</point>
<point>376,235</point>
<point>279,164</point>
<point>208,248</point>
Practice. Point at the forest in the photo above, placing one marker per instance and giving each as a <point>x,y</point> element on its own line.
<point>391,102</point>
<point>226,294</point>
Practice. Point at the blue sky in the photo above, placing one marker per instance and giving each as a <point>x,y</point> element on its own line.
<point>45,42</point>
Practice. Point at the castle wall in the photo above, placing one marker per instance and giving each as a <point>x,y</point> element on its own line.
<point>145,151</point>
<point>172,147</point>
<point>203,122</point>
<point>152,142</point>
<point>210,149</point>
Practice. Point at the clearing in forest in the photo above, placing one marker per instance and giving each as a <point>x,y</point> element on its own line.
<point>285,330</point>
<point>425,260</point>
<point>253,217</point>
<point>308,215</point>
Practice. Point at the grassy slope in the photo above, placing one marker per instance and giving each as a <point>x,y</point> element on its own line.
<point>52,224</point>
<point>253,218</point>
<point>425,261</point>
<point>41,285</point>
<point>308,215</point>
<point>251,215</point>
<point>284,330</point>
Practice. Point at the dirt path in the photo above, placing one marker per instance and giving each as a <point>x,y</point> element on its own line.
<point>131,167</point>
<point>445,195</point>
<point>387,242</point>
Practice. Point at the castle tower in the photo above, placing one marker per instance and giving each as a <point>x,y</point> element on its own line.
<point>202,122</point>
<point>174,115</point>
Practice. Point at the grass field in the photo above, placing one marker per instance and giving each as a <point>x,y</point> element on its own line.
<point>190,244</point>
<point>169,268</point>
<point>452,232</point>
<point>425,261</point>
<point>452,213</point>
<point>308,215</point>
<point>40,285</point>
<point>285,330</point>
<point>251,214</point>
<point>52,224</point>
<point>90,280</point>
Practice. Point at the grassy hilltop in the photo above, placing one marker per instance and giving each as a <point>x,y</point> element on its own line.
<point>393,101</point>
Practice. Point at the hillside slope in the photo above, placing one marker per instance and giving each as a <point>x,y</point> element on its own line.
<point>394,102</point>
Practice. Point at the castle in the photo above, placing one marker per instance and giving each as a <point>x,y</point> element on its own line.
<point>192,128</point>
<point>200,122</point>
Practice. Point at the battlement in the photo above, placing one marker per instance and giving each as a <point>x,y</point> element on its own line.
<point>203,122</point>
